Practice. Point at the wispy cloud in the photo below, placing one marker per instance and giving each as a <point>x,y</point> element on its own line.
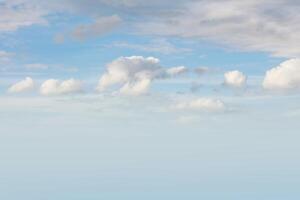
<point>156,46</point>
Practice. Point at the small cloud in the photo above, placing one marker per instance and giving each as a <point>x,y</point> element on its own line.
<point>56,87</point>
<point>22,86</point>
<point>174,71</point>
<point>235,79</point>
<point>100,26</point>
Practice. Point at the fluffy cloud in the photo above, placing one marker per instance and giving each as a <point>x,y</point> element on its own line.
<point>134,74</point>
<point>56,87</point>
<point>102,25</point>
<point>201,104</point>
<point>284,76</point>
<point>174,71</point>
<point>235,79</point>
<point>23,86</point>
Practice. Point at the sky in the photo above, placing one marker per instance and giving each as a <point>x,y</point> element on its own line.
<point>137,99</point>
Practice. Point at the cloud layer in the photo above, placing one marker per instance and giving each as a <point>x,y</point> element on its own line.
<point>201,104</point>
<point>259,25</point>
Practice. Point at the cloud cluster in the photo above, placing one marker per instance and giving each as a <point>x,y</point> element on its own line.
<point>55,87</point>
<point>134,74</point>
<point>235,79</point>
<point>283,77</point>
<point>201,104</point>
<point>22,86</point>
<point>259,25</point>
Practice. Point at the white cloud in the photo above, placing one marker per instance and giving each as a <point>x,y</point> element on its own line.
<point>134,74</point>
<point>174,71</point>
<point>102,25</point>
<point>201,104</point>
<point>56,87</point>
<point>235,79</point>
<point>139,87</point>
<point>23,86</point>
<point>259,25</point>
<point>284,76</point>
<point>20,13</point>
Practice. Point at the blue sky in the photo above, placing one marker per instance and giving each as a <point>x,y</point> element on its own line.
<point>132,99</point>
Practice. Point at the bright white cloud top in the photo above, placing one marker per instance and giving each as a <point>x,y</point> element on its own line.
<point>134,74</point>
<point>23,86</point>
<point>286,76</point>
<point>235,79</point>
<point>56,87</point>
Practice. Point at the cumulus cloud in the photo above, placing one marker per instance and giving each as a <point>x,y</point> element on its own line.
<point>235,79</point>
<point>102,25</point>
<point>201,104</point>
<point>284,76</point>
<point>134,74</point>
<point>57,87</point>
<point>23,86</point>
